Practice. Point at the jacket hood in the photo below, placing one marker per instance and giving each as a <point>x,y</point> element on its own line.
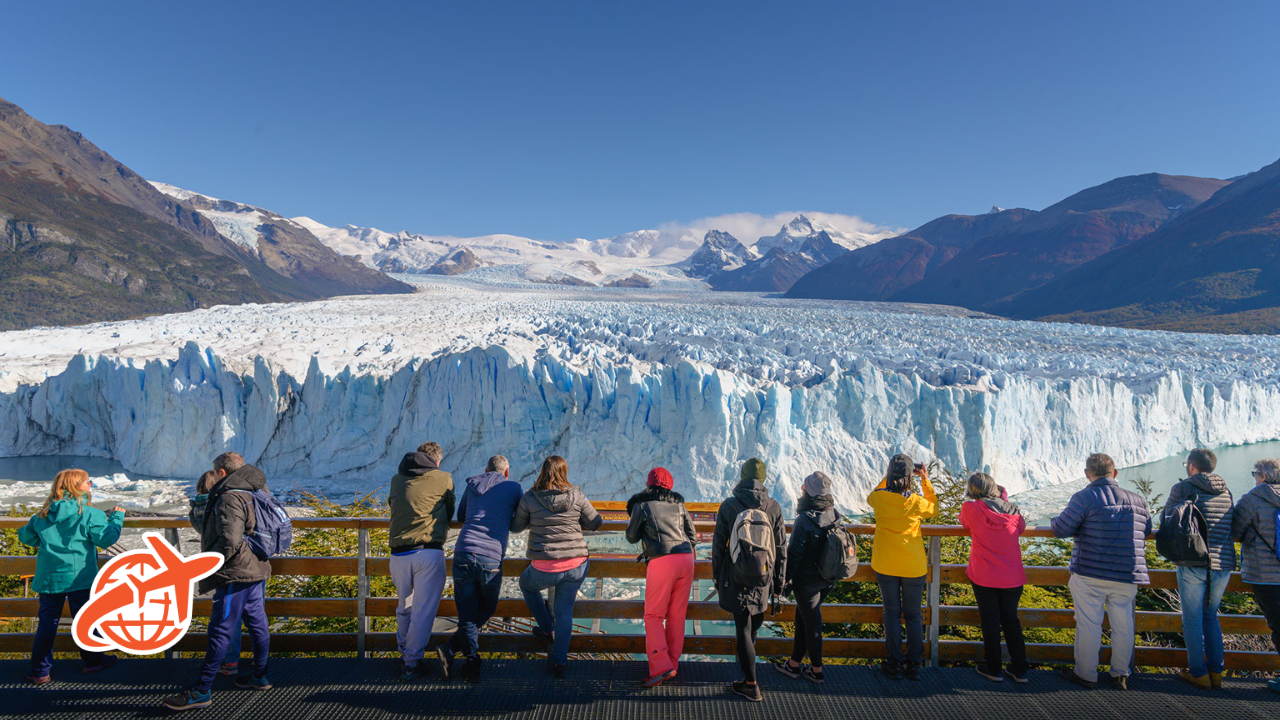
<point>1002,506</point>
<point>557,501</point>
<point>1208,483</point>
<point>890,504</point>
<point>416,464</point>
<point>1268,492</point>
<point>999,514</point>
<point>816,504</point>
<point>654,493</point>
<point>482,484</point>
<point>246,478</point>
<point>751,493</point>
<point>63,510</point>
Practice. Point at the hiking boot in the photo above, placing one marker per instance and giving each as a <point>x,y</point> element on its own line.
<point>912,672</point>
<point>890,668</point>
<point>558,671</point>
<point>988,674</point>
<point>410,673</point>
<point>1018,677</point>
<point>1119,682</point>
<point>229,668</point>
<point>39,679</point>
<point>253,682</point>
<point>107,662</point>
<point>1203,682</point>
<point>655,680</point>
<point>1274,685</point>
<point>446,661</point>
<point>750,692</point>
<point>1069,674</point>
<point>1215,680</point>
<point>814,677</point>
<point>471,670</point>
<point>784,667</point>
<point>188,700</point>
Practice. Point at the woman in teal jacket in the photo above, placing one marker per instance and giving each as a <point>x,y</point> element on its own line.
<point>66,532</point>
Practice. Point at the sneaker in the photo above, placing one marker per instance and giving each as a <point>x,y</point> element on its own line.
<point>188,700</point>
<point>1069,674</point>
<point>409,673</point>
<point>1203,682</point>
<point>39,679</point>
<point>1274,685</point>
<point>655,680</point>
<point>890,668</point>
<point>1215,680</point>
<point>253,682</point>
<point>992,676</point>
<point>814,677</point>
<point>471,670</point>
<point>1119,682</point>
<point>558,671</point>
<point>1020,678</point>
<point>107,662</point>
<point>546,637</point>
<point>231,668</point>
<point>750,692</point>
<point>784,667</point>
<point>912,672</point>
<point>446,661</point>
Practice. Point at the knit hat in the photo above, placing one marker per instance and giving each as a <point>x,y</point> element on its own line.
<point>817,484</point>
<point>753,469</point>
<point>659,477</point>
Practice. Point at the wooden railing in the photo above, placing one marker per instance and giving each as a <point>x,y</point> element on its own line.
<point>363,606</point>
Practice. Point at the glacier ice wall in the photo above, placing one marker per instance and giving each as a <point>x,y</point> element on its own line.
<point>612,422</point>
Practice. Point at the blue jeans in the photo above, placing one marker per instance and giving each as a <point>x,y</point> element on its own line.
<point>50,613</point>
<point>564,592</point>
<point>477,584</point>
<point>1201,631</point>
<point>232,603</point>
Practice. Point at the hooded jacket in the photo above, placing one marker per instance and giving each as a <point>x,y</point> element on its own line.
<point>898,547</point>
<point>1110,526</point>
<point>1214,500</point>
<point>749,493</point>
<point>65,538</point>
<point>485,511</point>
<point>659,518</point>
<point>555,520</point>
<point>808,538</point>
<point>1254,525</point>
<point>995,557</point>
<point>421,500</point>
<point>228,517</point>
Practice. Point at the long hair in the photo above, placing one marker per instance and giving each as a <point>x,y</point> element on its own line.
<point>554,475</point>
<point>66,484</point>
<point>981,485</point>
<point>206,482</point>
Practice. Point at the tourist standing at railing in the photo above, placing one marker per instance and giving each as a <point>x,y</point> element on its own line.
<point>195,513</point>
<point>997,573</point>
<point>816,516</point>
<point>66,532</point>
<point>1201,584</point>
<point>1256,525</point>
<point>239,586</point>
<point>555,513</point>
<point>660,520</point>
<point>1110,526</point>
<point>421,501</point>
<point>748,563</point>
<point>488,503</point>
<point>897,556</point>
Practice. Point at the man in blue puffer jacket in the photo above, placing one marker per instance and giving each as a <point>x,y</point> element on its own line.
<point>1108,563</point>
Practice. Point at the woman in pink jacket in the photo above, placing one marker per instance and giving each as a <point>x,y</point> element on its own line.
<point>995,568</point>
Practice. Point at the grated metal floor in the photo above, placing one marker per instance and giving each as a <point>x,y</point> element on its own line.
<point>323,689</point>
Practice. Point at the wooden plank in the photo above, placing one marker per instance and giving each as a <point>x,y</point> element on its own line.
<point>634,609</point>
<point>1145,621</point>
<point>313,566</point>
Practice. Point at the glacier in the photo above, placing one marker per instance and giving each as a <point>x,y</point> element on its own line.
<point>332,393</point>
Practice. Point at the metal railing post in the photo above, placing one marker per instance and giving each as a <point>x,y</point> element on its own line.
<point>935,598</point>
<point>171,535</point>
<point>362,589</point>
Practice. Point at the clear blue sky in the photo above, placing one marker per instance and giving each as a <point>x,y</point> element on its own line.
<point>556,120</point>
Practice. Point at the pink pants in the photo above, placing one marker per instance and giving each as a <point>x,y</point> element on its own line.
<point>666,599</point>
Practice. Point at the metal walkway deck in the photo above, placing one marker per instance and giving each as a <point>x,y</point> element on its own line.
<point>339,688</point>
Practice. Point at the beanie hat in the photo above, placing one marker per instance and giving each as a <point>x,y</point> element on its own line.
<point>817,484</point>
<point>753,469</point>
<point>659,477</point>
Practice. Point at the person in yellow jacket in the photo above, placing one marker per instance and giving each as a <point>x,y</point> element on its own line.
<point>897,556</point>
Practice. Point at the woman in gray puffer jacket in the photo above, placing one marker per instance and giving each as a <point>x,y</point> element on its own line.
<point>555,513</point>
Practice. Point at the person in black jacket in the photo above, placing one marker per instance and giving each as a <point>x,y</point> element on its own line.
<point>815,513</point>
<point>659,519</point>
<point>748,603</point>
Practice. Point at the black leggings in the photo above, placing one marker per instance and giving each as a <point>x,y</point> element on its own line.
<point>998,608</point>
<point>809,597</point>
<point>1268,598</point>
<point>745,627</point>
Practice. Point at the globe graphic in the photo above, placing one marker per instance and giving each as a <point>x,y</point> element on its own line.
<point>138,628</point>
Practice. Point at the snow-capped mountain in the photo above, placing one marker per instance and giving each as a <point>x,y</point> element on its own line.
<point>719,251</point>
<point>794,234</point>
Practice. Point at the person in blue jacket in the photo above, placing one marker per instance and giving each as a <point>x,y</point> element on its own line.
<point>66,533</point>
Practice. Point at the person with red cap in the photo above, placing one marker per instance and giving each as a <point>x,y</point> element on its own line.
<point>660,520</point>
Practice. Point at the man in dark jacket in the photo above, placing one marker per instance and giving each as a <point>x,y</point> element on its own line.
<point>1201,588</point>
<point>1108,563</point>
<point>421,500</point>
<point>485,511</point>
<point>1255,526</point>
<point>748,604</point>
<point>238,586</point>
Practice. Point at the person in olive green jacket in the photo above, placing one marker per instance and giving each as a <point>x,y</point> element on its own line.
<point>421,499</point>
<point>66,532</point>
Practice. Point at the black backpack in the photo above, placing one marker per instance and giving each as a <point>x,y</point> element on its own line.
<point>1181,538</point>
<point>839,557</point>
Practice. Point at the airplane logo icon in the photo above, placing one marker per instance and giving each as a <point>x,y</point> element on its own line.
<point>141,600</point>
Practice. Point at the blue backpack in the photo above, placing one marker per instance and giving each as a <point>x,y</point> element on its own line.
<point>272,530</point>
